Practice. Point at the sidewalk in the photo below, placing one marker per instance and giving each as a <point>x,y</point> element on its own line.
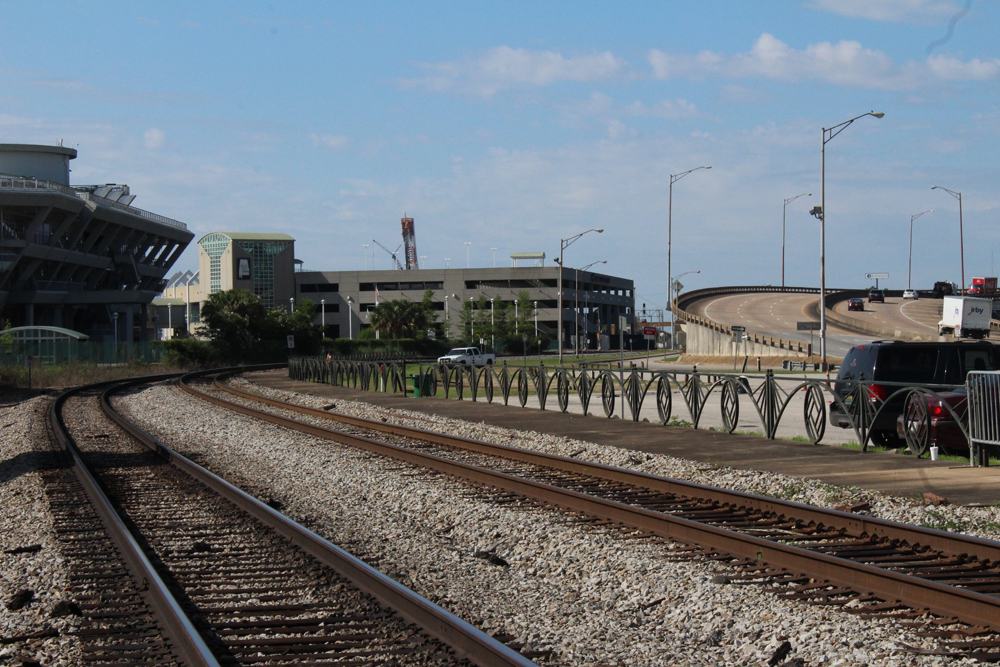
<point>889,473</point>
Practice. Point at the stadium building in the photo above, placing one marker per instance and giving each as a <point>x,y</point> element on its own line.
<point>79,257</point>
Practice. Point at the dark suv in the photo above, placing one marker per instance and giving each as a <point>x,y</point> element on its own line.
<point>922,364</point>
<point>876,295</point>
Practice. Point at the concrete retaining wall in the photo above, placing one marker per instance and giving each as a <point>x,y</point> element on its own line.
<point>709,341</point>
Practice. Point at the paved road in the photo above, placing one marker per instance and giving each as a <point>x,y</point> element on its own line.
<point>775,314</point>
<point>920,316</point>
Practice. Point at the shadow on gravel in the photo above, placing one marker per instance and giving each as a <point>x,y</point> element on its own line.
<point>28,462</point>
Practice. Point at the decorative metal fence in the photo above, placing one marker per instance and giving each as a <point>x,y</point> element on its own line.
<point>867,407</point>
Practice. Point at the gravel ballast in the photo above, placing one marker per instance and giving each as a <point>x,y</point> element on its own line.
<point>591,598</point>
<point>33,579</point>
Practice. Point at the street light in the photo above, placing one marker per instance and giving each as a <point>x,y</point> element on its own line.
<point>563,244</point>
<point>536,318</point>
<point>472,320</point>
<point>576,320</point>
<point>366,246</point>
<point>322,310</point>
<point>961,235</point>
<point>291,303</point>
<point>114,316</point>
<point>447,262</point>
<point>494,257</point>
<point>787,202</point>
<point>828,134</point>
<point>909,270</point>
<point>670,224</point>
<point>350,319</point>
<point>493,341</point>
<point>468,248</point>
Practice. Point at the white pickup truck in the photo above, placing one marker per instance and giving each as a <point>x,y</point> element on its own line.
<point>470,356</point>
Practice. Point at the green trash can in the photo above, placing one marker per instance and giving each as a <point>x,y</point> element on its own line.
<point>421,389</point>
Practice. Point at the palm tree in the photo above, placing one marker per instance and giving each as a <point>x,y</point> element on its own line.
<point>399,318</point>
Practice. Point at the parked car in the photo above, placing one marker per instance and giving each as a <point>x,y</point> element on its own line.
<point>937,419</point>
<point>876,295</point>
<point>942,429</point>
<point>470,356</point>
<point>856,304</point>
<point>910,294</point>
<point>889,366</point>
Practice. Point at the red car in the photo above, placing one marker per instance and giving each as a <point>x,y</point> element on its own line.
<point>926,422</point>
<point>856,304</point>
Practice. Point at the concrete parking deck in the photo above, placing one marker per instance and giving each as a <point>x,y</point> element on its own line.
<point>879,471</point>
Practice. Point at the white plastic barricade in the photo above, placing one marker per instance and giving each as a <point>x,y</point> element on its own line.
<point>983,389</point>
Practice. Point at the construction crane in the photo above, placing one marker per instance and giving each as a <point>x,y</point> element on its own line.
<point>391,252</point>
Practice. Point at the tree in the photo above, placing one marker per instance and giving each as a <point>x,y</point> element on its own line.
<point>399,318</point>
<point>241,329</point>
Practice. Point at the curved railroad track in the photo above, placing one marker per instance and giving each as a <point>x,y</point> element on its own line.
<point>181,568</point>
<point>929,578</point>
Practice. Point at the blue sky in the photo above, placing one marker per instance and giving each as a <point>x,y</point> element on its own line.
<point>513,125</point>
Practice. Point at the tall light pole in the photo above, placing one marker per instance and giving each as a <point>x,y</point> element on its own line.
<point>447,317</point>
<point>447,262</point>
<point>536,318</point>
<point>787,202</point>
<point>322,310</point>
<point>468,256</point>
<point>961,234</point>
<point>576,321</point>
<point>563,244</point>
<point>366,246</point>
<point>494,257</point>
<point>909,270</point>
<point>472,320</point>
<point>291,304</point>
<point>670,226</point>
<point>114,316</point>
<point>828,134</point>
<point>493,341</point>
<point>350,319</point>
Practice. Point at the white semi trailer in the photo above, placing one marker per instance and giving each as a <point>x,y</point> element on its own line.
<point>965,317</point>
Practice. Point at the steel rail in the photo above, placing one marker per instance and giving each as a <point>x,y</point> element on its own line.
<point>921,594</point>
<point>856,524</point>
<point>465,639</point>
<point>185,640</point>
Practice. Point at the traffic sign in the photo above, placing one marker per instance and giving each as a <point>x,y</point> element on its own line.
<point>291,342</point>
<point>649,331</point>
<point>738,328</point>
<point>877,276</point>
<point>31,360</point>
<point>807,326</point>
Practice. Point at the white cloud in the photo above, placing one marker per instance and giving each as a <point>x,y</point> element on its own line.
<point>335,141</point>
<point>154,138</point>
<point>503,67</point>
<point>846,63</point>
<point>894,11</point>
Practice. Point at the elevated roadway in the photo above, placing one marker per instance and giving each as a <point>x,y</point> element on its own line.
<point>774,314</point>
<point>919,317</point>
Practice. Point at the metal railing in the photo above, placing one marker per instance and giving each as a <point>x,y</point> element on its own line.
<point>19,183</point>
<point>983,390</point>
<point>625,393</point>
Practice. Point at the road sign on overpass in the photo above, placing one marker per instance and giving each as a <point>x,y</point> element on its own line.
<point>807,326</point>
<point>877,276</point>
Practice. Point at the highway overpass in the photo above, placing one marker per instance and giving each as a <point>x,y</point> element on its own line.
<point>771,315</point>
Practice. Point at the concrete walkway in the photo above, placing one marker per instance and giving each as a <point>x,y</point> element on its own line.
<point>889,473</point>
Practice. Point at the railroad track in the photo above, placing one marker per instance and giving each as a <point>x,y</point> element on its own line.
<point>177,567</point>
<point>942,584</point>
